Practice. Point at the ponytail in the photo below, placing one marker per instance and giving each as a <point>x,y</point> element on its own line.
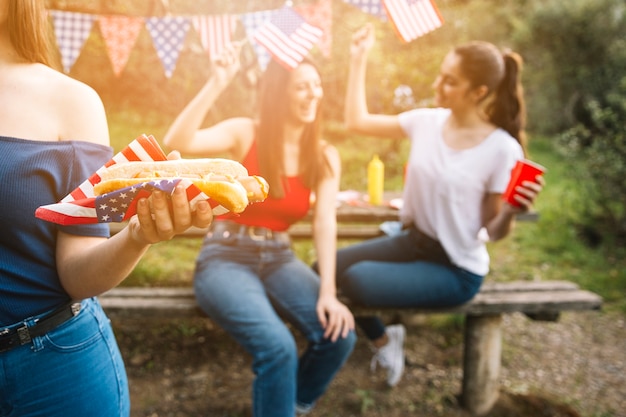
<point>508,109</point>
<point>485,65</point>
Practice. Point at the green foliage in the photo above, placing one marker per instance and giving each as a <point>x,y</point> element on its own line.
<point>574,50</point>
<point>598,150</point>
<point>581,47</point>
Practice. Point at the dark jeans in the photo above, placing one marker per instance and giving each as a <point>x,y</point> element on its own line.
<point>409,269</point>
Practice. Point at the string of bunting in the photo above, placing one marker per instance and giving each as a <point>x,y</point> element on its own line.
<point>288,33</point>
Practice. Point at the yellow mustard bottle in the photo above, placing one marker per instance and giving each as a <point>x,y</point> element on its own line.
<point>375,180</point>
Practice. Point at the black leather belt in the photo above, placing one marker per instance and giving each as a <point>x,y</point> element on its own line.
<point>227,229</point>
<point>24,334</point>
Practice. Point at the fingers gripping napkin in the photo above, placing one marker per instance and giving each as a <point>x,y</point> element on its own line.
<point>111,193</point>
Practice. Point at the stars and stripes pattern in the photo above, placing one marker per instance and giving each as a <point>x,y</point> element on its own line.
<point>413,18</point>
<point>81,206</point>
<point>251,23</point>
<point>288,37</point>
<point>215,31</point>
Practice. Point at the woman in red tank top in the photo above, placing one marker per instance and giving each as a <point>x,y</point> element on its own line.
<point>247,277</point>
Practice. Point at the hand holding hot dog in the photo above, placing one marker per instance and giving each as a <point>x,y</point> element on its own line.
<point>223,180</point>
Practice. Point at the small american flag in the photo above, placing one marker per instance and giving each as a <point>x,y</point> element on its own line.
<point>288,37</point>
<point>81,206</point>
<point>413,18</point>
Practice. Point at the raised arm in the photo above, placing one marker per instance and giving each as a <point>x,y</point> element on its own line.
<point>185,134</point>
<point>356,114</point>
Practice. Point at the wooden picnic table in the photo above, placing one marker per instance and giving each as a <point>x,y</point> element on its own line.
<point>356,218</point>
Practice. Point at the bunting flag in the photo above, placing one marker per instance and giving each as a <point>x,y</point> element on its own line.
<point>287,33</point>
<point>215,31</point>
<point>373,7</point>
<point>71,30</point>
<point>168,35</point>
<point>288,37</point>
<point>120,35</point>
<point>251,23</point>
<point>320,14</point>
<point>82,207</point>
<point>413,18</point>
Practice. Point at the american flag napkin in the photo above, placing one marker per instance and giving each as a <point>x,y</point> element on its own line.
<point>82,207</point>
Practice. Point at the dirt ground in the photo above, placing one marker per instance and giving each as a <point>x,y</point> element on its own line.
<point>575,367</point>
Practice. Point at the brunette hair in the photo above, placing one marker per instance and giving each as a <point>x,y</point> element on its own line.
<point>29,31</point>
<point>272,112</point>
<point>484,64</point>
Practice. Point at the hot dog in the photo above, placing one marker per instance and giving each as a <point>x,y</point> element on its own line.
<point>223,180</point>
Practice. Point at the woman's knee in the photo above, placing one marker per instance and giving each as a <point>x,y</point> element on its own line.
<point>356,284</point>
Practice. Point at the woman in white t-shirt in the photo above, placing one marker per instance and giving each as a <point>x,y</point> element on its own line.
<point>461,157</point>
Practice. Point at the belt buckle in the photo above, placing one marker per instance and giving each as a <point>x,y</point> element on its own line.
<point>267,234</point>
<point>24,335</point>
<point>75,308</point>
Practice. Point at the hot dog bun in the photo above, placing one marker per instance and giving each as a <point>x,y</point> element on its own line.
<point>223,180</point>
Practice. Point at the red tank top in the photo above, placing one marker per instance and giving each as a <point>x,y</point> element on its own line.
<point>274,213</point>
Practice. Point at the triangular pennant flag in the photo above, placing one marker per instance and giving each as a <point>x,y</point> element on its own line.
<point>71,30</point>
<point>215,31</point>
<point>288,37</point>
<point>320,14</point>
<point>120,34</point>
<point>413,18</point>
<point>373,7</point>
<point>168,35</point>
<point>252,22</point>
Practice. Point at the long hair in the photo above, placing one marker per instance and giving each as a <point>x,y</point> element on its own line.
<point>273,110</point>
<point>483,64</point>
<point>29,30</point>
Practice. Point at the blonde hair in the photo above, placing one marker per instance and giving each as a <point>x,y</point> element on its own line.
<point>29,31</point>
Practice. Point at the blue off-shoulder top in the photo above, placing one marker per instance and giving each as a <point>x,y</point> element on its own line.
<point>32,174</point>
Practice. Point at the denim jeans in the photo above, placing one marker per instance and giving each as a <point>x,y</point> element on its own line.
<point>250,288</point>
<point>408,269</point>
<point>75,370</point>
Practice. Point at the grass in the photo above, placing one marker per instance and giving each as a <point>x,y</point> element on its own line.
<point>549,249</point>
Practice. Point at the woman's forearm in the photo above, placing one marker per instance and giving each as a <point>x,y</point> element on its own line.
<point>185,126</point>
<point>97,265</point>
<point>325,241</point>
<point>356,103</point>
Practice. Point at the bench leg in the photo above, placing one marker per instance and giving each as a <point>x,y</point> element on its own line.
<point>481,363</point>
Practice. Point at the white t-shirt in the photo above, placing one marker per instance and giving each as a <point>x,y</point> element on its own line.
<point>444,188</point>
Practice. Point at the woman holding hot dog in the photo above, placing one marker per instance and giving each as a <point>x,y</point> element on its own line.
<point>247,277</point>
<point>58,355</point>
<point>460,161</point>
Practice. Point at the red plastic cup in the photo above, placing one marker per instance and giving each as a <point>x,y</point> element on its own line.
<point>524,170</point>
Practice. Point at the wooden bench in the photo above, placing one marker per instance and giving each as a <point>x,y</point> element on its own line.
<point>483,314</point>
<point>483,321</point>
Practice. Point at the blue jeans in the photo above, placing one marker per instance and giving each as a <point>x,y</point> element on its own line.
<point>249,288</point>
<point>405,270</point>
<point>75,370</point>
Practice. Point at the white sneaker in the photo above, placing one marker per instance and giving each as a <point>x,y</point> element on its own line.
<point>391,356</point>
